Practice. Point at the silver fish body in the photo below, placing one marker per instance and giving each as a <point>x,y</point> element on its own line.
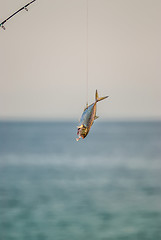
<point>87,118</point>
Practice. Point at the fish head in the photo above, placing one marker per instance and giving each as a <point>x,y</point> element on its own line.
<point>82,131</point>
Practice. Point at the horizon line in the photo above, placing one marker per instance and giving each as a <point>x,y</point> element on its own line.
<point>127,119</point>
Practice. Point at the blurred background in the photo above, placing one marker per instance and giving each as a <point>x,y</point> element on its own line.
<point>107,186</point>
<point>44,58</point>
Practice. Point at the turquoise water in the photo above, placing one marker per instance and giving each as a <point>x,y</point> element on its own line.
<point>107,186</point>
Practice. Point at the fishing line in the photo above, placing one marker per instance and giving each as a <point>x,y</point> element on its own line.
<point>23,8</point>
<point>87,52</point>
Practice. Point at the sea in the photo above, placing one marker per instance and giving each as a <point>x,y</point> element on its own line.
<point>105,187</point>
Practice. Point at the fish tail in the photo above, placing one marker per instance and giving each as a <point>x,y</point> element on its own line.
<point>99,98</point>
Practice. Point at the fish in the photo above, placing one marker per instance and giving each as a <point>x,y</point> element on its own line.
<point>88,117</point>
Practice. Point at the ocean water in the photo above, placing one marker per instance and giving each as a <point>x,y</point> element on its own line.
<point>105,187</point>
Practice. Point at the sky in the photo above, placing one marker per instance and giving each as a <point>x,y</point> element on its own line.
<point>43,59</point>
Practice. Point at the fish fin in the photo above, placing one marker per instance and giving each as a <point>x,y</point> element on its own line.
<point>96,96</point>
<point>96,117</point>
<point>99,99</point>
<point>86,106</point>
<point>77,139</point>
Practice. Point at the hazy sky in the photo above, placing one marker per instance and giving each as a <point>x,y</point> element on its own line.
<point>43,58</point>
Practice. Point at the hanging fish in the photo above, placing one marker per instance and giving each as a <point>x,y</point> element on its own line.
<point>87,118</point>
